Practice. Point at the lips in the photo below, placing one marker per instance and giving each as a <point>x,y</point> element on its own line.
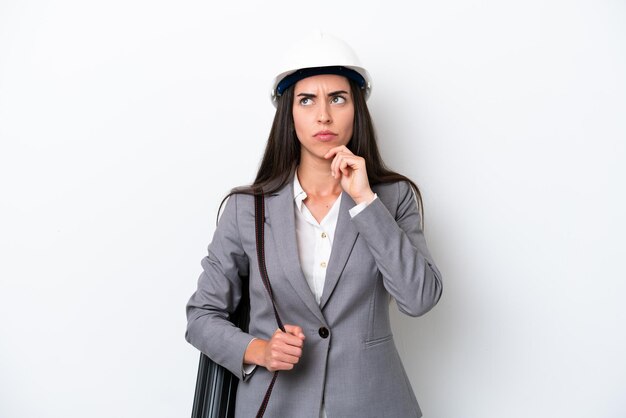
<point>325,135</point>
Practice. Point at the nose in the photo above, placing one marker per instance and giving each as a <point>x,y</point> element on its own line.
<point>324,114</point>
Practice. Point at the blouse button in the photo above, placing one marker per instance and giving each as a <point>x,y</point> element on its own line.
<point>323,264</point>
<point>324,235</point>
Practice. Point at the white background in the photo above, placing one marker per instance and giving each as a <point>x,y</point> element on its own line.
<point>123,124</point>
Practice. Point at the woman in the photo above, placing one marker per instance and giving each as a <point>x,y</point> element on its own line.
<point>342,236</point>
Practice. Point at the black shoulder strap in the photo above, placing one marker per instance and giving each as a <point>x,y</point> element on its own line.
<point>259,223</point>
<point>259,226</point>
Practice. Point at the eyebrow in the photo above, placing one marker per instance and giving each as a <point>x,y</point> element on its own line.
<point>332,93</point>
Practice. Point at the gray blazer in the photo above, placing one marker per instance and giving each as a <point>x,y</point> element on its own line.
<point>349,358</point>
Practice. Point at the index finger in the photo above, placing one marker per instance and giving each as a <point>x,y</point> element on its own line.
<point>294,330</point>
<point>333,151</point>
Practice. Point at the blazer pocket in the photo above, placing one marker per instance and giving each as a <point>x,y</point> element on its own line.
<point>377,341</point>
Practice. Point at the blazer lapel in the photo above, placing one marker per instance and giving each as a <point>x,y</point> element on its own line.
<point>282,225</point>
<point>345,236</point>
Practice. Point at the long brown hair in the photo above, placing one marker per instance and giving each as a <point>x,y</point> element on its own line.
<point>282,152</point>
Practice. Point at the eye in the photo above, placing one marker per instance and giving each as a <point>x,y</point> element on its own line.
<point>338,100</point>
<point>305,101</point>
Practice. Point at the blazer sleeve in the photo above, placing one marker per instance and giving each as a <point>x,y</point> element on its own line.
<point>399,248</point>
<point>218,294</point>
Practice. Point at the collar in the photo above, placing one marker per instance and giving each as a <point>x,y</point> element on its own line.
<point>298,192</point>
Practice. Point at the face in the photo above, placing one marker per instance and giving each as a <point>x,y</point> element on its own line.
<point>323,114</point>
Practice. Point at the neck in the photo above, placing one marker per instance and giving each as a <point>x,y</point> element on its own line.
<point>315,178</point>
